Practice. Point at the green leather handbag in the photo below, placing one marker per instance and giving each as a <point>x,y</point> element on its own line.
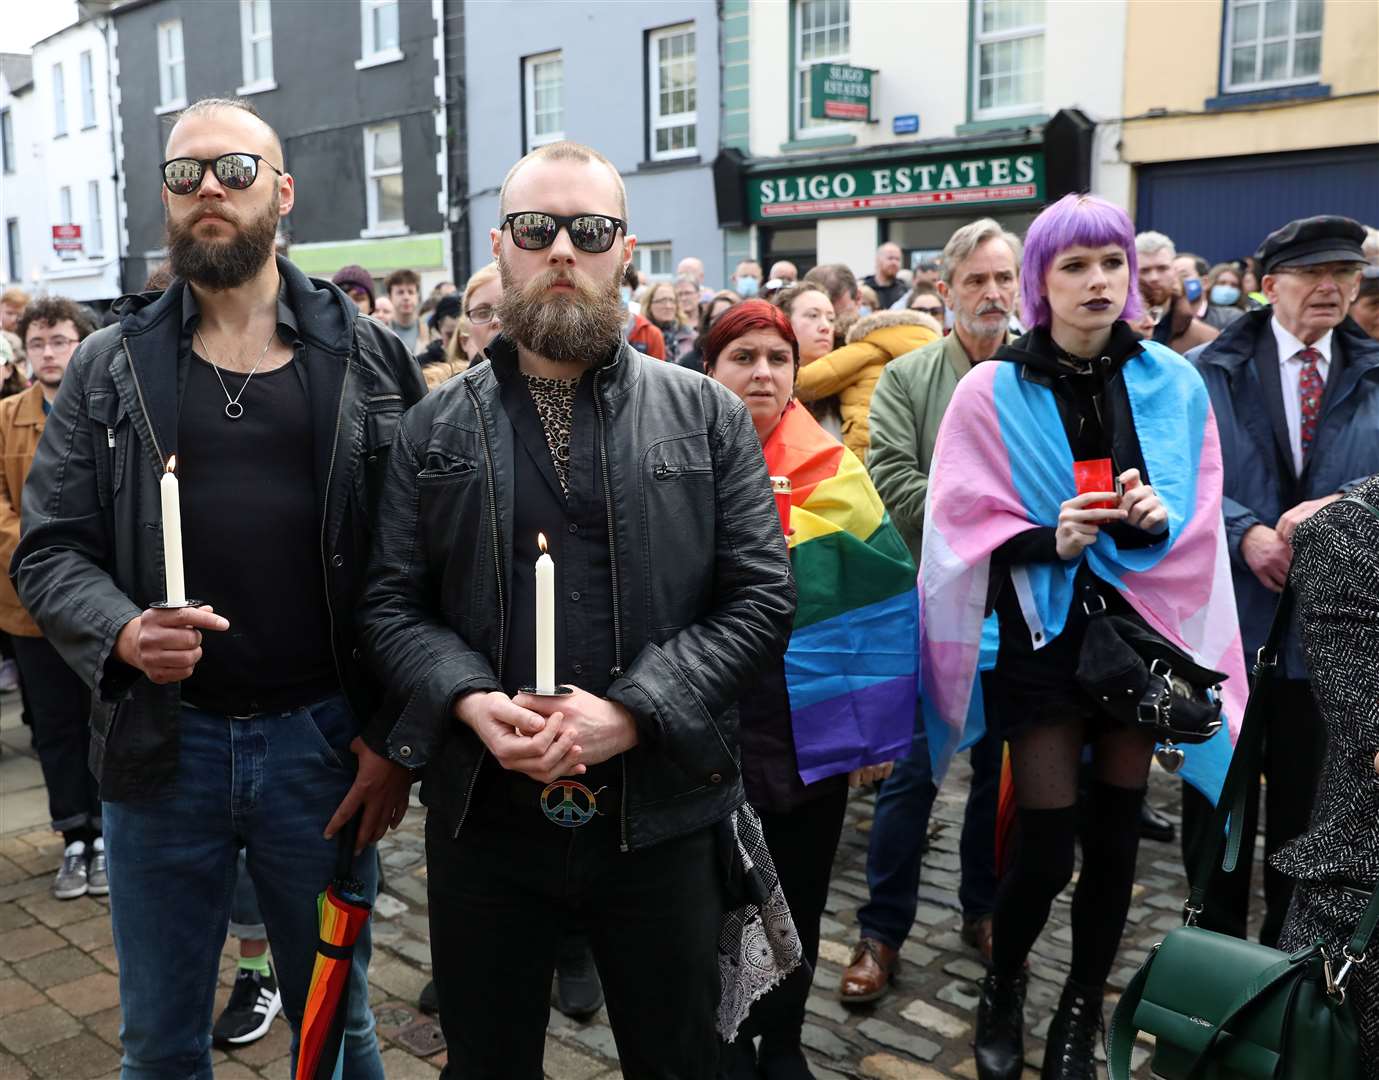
<point>1221,1008</point>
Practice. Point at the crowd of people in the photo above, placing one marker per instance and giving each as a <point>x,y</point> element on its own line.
<point>1078,440</point>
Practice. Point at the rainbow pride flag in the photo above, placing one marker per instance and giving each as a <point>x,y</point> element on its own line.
<point>851,669</point>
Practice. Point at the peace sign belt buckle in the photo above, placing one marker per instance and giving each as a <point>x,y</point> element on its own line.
<point>569,804</point>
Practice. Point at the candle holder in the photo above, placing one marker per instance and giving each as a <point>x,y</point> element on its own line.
<point>163,605</point>
<point>559,691</point>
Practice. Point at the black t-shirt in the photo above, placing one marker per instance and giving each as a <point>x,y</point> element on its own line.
<point>251,538</point>
<point>886,294</point>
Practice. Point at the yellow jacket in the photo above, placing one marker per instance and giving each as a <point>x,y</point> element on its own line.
<point>21,424</point>
<point>852,371</point>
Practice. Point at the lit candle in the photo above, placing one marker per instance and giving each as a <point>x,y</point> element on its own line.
<point>172,536</point>
<point>545,620</point>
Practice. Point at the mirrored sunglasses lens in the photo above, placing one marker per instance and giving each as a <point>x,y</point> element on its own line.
<point>532,232</point>
<point>593,233</point>
<point>236,170</point>
<point>182,176</point>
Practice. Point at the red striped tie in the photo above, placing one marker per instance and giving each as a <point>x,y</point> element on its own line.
<point>1311,384</point>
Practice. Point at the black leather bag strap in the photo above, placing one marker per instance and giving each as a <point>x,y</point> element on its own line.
<point>1227,823</point>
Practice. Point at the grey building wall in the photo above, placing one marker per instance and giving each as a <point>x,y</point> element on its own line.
<point>320,108</point>
<point>603,45</point>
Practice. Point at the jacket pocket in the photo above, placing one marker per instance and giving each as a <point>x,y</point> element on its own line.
<point>441,467</point>
<point>381,419</point>
<point>110,434</point>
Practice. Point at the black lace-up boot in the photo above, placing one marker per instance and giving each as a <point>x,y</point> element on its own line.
<point>1070,1053</point>
<point>1000,1041</point>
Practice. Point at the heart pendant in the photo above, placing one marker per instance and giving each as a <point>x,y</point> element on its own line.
<point>1169,757</point>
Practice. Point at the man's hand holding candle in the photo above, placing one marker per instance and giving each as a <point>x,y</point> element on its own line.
<point>603,729</point>
<point>165,643</point>
<point>521,739</point>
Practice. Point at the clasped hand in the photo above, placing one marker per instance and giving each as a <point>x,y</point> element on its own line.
<point>546,738</point>
<point>1079,524</point>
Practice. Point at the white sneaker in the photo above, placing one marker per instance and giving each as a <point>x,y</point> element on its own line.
<point>97,883</point>
<point>9,676</point>
<point>71,880</point>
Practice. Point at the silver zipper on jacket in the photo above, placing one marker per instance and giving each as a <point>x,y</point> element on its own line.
<point>325,516</point>
<point>498,569</point>
<point>617,671</point>
<point>143,406</point>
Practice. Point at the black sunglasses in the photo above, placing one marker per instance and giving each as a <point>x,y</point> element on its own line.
<point>183,175</point>
<point>533,231</point>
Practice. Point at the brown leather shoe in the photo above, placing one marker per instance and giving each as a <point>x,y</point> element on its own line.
<point>869,974</point>
<point>977,933</point>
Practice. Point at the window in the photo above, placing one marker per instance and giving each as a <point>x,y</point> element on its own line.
<point>172,68</point>
<point>94,234</point>
<point>670,65</point>
<point>381,41</point>
<point>1272,43</point>
<point>1008,58</point>
<point>59,102</point>
<point>64,215</point>
<point>7,141</point>
<point>383,169</point>
<point>256,43</point>
<point>88,91</point>
<point>16,266</point>
<point>822,36</point>
<point>544,94</point>
<point>653,260</point>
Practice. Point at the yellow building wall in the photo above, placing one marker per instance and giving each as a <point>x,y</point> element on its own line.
<point>1172,67</point>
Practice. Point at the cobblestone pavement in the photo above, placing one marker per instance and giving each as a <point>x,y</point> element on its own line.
<point>59,1014</point>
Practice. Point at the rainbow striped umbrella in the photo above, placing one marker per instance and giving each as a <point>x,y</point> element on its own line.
<point>343,913</point>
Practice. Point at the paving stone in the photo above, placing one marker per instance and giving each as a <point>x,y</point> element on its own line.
<point>409,887</point>
<point>28,941</point>
<point>890,1067</point>
<point>12,916</point>
<point>598,1038</point>
<point>959,993</point>
<point>913,954</point>
<point>386,906</point>
<point>91,994</point>
<point>564,1062</point>
<point>828,1008</point>
<point>34,1028</point>
<point>418,952</point>
<point>922,1014</point>
<point>79,1058</point>
<point>835,952</point>
<point>53,912</point>
<point>930,915</point>
<point>89,934</point>
<point>878,1031</point>
<point>16,995</point>
<point>400,1065</point>
<point>59,966</point>
<point>399,979</point>
<point>966,969</point>
<point>272,1046</point>
<point>824,1041</point>
<point>106,1024</point>
<point>233,1070</point>
<point>12,1068</point>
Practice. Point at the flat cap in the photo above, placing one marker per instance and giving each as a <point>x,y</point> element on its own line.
<point>1326,238</point>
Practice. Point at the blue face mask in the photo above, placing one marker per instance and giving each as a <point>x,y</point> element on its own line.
<point>747,287</point>
<point>1224,294</point>
<point>864,310</point>
<point>626,295</point>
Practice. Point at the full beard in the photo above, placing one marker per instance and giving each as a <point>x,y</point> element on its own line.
<point>580,329</point>
<point>223,264</point>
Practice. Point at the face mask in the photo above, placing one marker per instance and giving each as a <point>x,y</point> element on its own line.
<point>1224,294</point>
<point>747,287</point>
<point>626,295</point>
<point>863,309</point>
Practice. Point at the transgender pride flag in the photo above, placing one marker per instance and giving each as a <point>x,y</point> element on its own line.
<point>851,669</point>
<point>1002,465</point>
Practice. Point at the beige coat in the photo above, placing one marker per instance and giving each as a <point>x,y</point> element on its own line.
<point>21,424</point>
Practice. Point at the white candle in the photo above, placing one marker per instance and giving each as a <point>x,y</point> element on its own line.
<point>545,620</point>
<point>172,536</point>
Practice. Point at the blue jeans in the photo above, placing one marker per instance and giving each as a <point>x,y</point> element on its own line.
<point>899,837</point>
<point>269,784</point>
<point>246,921</point>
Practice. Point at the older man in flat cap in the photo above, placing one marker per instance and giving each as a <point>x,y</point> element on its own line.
<point>1295,388</point>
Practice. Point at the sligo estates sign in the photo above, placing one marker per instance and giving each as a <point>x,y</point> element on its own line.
<point>840,92</point>
<point>1017,176</point>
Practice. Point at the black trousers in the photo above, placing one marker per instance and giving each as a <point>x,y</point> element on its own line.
<point>1294,746</point>
<point>503,894</point>
<point>60,708</point>
<point>802,842</point>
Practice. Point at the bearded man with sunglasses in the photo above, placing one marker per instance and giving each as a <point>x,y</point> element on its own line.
<point>237,723</point>
<point>605,808</point>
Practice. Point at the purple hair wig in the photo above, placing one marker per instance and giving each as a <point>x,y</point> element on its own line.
<point>1073,220</point>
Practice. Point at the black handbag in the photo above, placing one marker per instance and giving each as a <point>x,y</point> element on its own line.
<point>1138,677</point>
<point>1221,1008</point>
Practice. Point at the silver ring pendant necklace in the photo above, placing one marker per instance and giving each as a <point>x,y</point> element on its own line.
<point>233,409</point>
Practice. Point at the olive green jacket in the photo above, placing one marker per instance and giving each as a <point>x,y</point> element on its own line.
<point>906,408</point>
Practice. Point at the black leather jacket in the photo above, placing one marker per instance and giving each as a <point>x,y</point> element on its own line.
<point>90,557</point>
<point>702,589</point>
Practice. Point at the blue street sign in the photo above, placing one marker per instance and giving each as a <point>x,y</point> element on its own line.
<point>905,125</point>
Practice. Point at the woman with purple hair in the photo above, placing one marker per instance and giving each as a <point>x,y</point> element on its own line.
<point>1041,508</point>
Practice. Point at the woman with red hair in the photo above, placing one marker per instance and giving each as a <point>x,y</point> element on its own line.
<point>809,727</point>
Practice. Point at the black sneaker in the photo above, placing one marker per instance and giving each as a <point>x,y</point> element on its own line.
<point>249,1013</point>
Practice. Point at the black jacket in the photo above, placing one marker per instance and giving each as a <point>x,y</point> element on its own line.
<point>701,584</point>
<point>90,557</point>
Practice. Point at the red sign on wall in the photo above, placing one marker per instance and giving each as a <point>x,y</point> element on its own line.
<point>66,237</point>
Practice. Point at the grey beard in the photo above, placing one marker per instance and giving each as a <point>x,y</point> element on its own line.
<point>581,329</point>
<point>223,265</point>
<point>974,324</point>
